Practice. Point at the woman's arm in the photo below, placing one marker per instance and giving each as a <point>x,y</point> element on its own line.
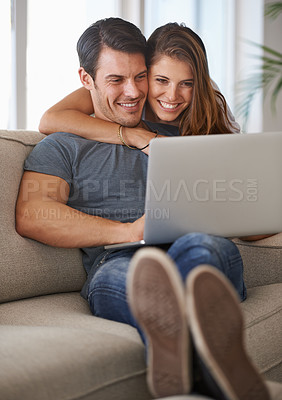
<point>72,114</point>
<point>255,237</point>
<point>68,114</point>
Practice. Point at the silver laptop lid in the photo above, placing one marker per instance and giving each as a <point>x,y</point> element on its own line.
<point>228,185</point>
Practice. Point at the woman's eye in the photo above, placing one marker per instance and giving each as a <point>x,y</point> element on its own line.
<point>188,84</point>
<point>160,80</point>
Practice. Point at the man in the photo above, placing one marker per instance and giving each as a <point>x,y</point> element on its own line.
<point>86,194</point>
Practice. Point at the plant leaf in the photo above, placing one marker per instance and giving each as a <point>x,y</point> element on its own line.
<point>268,50</point>
<point>272,10</point>
<point>267,74</point>
<point>275,94</point>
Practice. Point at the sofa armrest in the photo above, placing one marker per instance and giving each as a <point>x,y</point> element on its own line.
<point>262,260</point>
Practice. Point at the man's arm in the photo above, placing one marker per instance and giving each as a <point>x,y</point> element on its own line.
<point>42,214</point>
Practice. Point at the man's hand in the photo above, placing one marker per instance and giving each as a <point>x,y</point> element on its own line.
<point>137,229</point>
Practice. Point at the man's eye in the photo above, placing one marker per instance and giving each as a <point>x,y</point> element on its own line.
<point>141,77</point>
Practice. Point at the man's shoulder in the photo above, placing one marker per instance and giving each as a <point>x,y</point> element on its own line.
<point>59,144</point>
<point>62,138</point>
<point>163,129</point>
<point>63,142</point>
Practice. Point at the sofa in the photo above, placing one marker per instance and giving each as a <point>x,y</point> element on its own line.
<point>53,348</point>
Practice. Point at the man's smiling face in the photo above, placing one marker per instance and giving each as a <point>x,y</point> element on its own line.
<point>120,87</point>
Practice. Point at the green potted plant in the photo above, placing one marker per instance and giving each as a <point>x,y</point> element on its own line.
<point>267,75</point>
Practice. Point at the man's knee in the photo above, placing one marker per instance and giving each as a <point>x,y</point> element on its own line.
<point>195,239</point>
<point>204,248</point>
<point>208,241</point>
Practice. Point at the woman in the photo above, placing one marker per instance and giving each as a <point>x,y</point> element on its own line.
<point>181,93</point>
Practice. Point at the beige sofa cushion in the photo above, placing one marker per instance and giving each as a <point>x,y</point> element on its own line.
<point>28,268</point>
<point>56,338</point>
<point>262,260</point>
<point>53,348</point>
<point>275,390</point>
<point>68,363</point>
<point>68,311</point>
<point>263,318</point>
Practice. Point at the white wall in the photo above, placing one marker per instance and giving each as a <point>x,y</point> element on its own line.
<point>247,32</point>
<point>273,39</point>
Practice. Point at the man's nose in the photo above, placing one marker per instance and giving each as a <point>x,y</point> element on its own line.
<point>131,89</point>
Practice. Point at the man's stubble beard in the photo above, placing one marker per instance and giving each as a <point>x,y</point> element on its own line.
<point>110,114</point>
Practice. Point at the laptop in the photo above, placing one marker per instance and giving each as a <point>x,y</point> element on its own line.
<point>228,185</point>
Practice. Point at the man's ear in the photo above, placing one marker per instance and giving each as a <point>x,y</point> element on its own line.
<point>86,79</point>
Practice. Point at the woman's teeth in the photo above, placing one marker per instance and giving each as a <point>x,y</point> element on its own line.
<point>168,105</point>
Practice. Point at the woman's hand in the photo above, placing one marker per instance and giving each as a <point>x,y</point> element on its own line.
<point>138,137</point>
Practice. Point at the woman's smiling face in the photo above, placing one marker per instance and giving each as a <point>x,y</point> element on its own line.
<point>170,87</point>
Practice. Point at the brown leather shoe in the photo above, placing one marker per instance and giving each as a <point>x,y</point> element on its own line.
<point>216,323</point>
<point>157,300</point>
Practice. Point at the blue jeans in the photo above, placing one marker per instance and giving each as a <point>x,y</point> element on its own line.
<point>107,288</point>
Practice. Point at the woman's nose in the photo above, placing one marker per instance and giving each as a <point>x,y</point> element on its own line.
<point>171,93</point>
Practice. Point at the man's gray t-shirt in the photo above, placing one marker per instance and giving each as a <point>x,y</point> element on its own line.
<point>105,180</point>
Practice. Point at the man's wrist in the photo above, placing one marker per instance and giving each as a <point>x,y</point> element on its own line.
<point>119,232</point>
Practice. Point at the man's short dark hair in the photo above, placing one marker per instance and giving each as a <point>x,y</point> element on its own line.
<point>114,33</point>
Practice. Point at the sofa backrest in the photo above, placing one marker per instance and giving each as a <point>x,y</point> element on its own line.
<point>28,268</point>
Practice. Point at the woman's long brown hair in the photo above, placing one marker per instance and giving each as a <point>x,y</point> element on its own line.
<point>207,113</point>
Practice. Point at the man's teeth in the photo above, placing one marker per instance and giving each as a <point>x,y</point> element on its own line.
<point>128,104</point>
<point>167,105</point>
